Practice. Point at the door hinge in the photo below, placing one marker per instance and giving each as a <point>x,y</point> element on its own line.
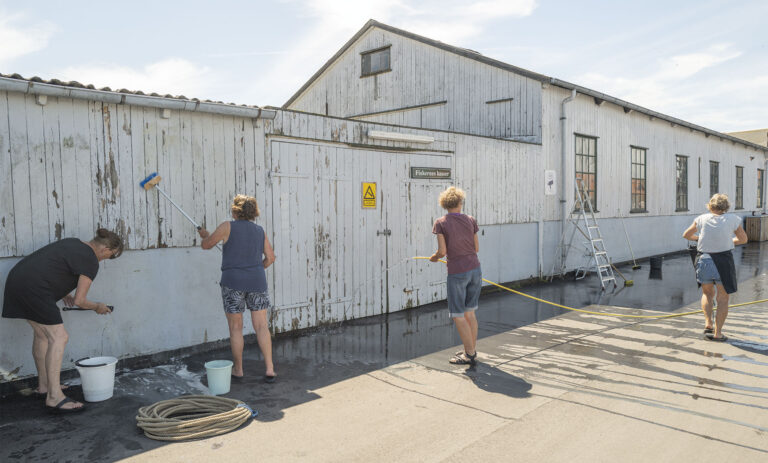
<point>385,232</point>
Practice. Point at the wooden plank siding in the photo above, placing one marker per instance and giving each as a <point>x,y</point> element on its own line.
<point>616,131</point>
<point>422,74</point>
<point>70,166</point>
<point>334,261</point>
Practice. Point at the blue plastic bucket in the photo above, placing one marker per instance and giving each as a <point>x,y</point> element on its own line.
<point>219,374</point>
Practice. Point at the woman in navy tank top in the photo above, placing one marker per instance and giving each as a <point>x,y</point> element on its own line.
<point>246,253</point>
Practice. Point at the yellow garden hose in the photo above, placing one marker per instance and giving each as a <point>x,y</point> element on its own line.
<point>607,314</point>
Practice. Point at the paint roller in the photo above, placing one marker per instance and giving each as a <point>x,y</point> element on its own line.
<point>153,181</point>
<point>66,309</point>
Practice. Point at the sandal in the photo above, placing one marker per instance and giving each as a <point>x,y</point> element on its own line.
<point>57,410</point>
<point>722,338</point>
<point>462,358</point>
<point>709,330</point>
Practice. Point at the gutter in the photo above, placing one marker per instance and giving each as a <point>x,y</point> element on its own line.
<point>38,88</point>
<point>765,184</point>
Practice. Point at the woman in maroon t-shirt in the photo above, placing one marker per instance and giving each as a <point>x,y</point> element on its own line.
<point>457,238</point>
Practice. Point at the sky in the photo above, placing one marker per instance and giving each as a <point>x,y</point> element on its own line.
<point>703,61</point>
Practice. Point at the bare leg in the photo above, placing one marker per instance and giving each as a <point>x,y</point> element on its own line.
<point>707,297</point>
<point>722,310</point>
<point>56,338</point>
<point>472,320</point>
<point>465,333</point>
<point>264,338</point>
<point>235,322</point>
<point>39,349</point>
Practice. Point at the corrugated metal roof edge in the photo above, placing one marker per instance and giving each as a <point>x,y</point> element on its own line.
<point>524,72</point>
<point>55,87</point>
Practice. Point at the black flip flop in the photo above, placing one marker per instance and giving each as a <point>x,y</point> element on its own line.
<point>57,410</point>
<point>238,379</point>
<point>269,379</point>
<point>709,330</point>
<point>722,338</point>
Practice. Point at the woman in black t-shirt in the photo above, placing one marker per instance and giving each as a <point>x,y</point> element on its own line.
<point>33,287</point>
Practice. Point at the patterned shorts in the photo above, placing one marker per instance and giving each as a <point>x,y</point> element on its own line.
<point>237,301</point>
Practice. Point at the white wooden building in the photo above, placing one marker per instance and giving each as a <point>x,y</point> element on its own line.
<point>71,158</point>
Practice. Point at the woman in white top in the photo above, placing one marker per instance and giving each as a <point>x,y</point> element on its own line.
<point>716,234</point>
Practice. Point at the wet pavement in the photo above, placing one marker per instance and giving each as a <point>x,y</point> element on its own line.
<point>512,329</point>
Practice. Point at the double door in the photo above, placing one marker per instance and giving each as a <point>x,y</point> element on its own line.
<point>338,260</point>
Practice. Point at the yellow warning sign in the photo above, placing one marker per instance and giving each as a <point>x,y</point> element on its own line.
<point>369,195</point>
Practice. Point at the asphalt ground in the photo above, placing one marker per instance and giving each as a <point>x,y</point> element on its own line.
<point>552,385</point>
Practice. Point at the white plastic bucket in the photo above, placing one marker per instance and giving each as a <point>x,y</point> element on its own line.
<point>98,377</point>
<point>219,374</point>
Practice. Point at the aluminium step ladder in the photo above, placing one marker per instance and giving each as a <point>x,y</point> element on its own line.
<point>584,221</point>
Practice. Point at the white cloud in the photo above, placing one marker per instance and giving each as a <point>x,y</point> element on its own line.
<point>684,66</point>
<point>19,39</point>
<point>677,86</point>
<point>174,75</point>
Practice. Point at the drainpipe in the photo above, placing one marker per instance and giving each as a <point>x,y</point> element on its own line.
<point>765,183</point>
<point>563,193</point>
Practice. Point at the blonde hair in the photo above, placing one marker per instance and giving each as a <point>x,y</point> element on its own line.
<point>451,198</point>
<point>719,203</point>
<point>109,240</point>
<point>245,207</point>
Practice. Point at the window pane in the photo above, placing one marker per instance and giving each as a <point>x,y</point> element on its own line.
<point>374,62</point>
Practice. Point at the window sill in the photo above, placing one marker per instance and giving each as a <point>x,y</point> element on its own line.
<point>375,73</point>
<point>682,210</point>
<point>637,211</point>
<point>738,209</point>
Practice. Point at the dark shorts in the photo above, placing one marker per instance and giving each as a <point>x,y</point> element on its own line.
<point>237,301</point>
<point>464,291</point>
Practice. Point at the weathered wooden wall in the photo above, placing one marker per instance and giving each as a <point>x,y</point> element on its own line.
<point>457,89</point>
<point>71,166</point>
<point>616,131</point>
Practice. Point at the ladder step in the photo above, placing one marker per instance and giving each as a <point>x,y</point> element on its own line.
<point>600,253</point>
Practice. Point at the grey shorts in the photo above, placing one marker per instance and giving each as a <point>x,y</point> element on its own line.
<point>237,301</point>
<point>706,271</point>
<point>464,291</point>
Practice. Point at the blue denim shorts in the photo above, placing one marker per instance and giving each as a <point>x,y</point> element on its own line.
<point>464,291</point>
<point>706,271</point>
